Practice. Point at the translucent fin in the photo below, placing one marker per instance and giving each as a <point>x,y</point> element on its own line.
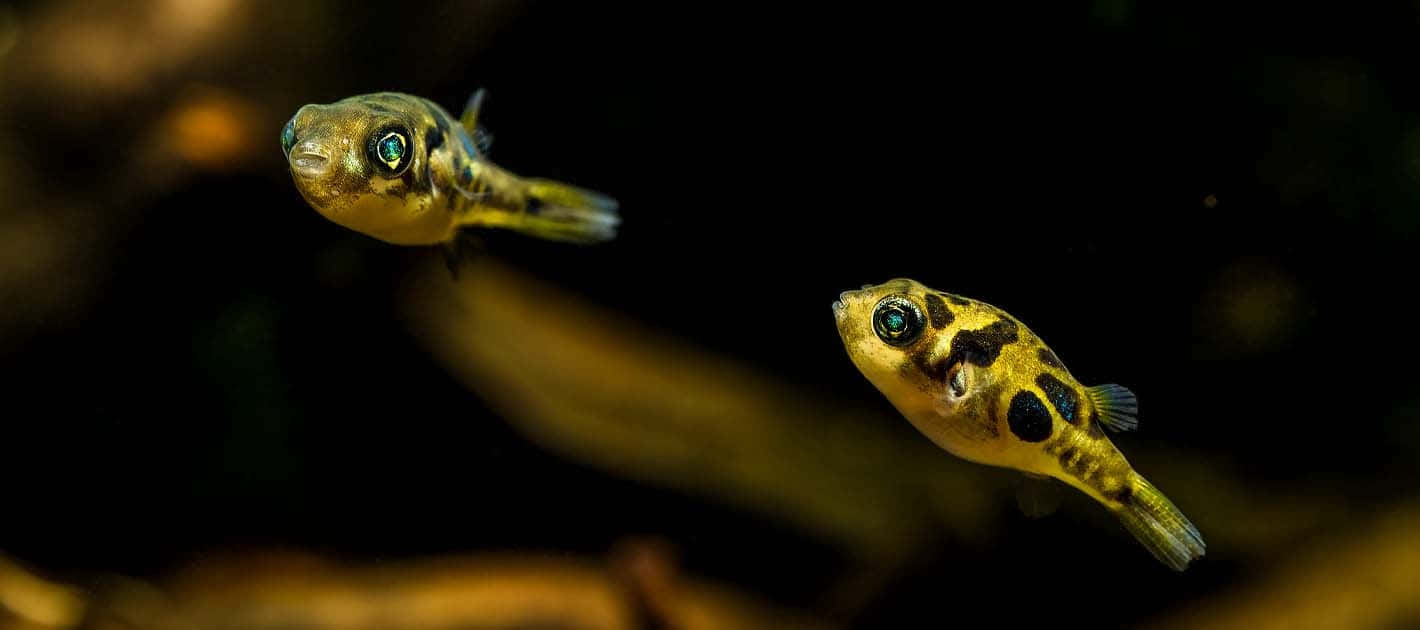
<point>482,140</point>
<point>469,118</point>
<point>1160,527</point>
<point>563,212</point>
<point>557,212</point>
<point>1119,407</point>
<point>1038,496</point>
<point>463,248</point>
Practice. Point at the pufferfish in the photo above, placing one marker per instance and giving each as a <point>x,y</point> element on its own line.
<point>985,388</point>
<point>399,168</point>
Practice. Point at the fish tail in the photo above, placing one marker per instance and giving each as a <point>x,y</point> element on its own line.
<point>1159,526</point>
<point>563,212</point>
<point>554,211</point>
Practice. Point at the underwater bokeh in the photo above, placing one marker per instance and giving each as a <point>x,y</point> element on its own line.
<point>222,410</point>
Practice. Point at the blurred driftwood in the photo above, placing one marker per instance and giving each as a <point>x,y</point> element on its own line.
<point>637,590</point>
<point>1364,577</point>
<point>601,389</point>
<point>33,602</point>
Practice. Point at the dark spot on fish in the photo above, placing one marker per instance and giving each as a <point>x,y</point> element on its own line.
<point>533,206</point>
<point>981,347</point>
<point>921,357</point>
<point>993,411</point>
<point>443,123</point>
<point>440,120</point>
<point>379,108</point>
<point>433,139</point>
<point>937,312</point>
<point>1047,357</point>
<point>1061,396</point>
<point>1124,493</point>
<point>1028,417</point>
<point>465,175</point>
<point>955,299</point>
<point>1092,475</point>
<point>1067,459</point>
<point>410,181</point>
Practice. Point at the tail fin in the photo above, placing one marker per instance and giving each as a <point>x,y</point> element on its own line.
<point>1162,529</point>
<point>561,212</point>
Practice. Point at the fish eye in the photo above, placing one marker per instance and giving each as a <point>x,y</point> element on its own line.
<point>288,136</point>
<point>897,320</point>
<point>388,149</point>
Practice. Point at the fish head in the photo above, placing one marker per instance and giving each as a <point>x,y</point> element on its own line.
<point>361,162</point>
<point>891,335</point>
<point>947,363</point>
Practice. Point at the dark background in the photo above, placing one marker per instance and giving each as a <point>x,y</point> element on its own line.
<point>1212,204</point>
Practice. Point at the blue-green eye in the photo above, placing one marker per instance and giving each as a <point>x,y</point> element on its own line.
<point>897,320</point>
<point>894,321</point>
<point>392,149</point>
<point>288,136</point>
<point>389,150</point>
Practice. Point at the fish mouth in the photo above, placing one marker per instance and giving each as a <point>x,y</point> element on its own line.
<point>840,305</point>
<point>309,159</point>
<point>309,164</point>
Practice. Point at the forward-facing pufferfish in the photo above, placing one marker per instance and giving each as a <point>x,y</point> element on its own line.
<point>985,388</point>
<point>401,169</point>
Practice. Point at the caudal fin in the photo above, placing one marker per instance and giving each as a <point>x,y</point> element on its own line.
<point>561,212</point>
<point>1162,529</point>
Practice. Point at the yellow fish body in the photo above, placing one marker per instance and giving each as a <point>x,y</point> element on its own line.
<point>985,388</point>
<point>399,168</point>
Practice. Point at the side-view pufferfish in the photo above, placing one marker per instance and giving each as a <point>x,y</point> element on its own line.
<point>400,169</point>
<point>985,388</point>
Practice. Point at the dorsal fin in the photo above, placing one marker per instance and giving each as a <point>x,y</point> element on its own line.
<point>482,140</point>
<point>1118,407</point>
<point>469,119</point>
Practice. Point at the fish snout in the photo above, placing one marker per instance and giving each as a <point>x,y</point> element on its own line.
<point>844,301</point>
<point>310,160</point>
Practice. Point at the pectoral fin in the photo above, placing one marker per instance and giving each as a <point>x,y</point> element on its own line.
<point>978,424</point>
<point>1118,407</point>
<point>1038,496</point>
<point>461,249</point>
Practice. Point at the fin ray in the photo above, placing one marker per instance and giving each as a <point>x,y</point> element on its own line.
<point>469,118</point>
<point>1118,407</point>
